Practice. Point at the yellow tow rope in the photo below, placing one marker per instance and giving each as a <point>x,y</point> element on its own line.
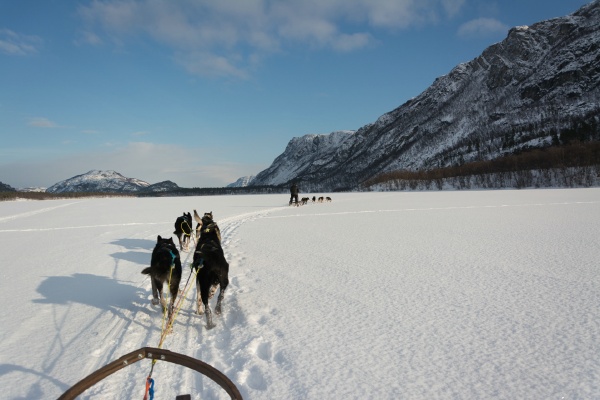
<point>167,324</point>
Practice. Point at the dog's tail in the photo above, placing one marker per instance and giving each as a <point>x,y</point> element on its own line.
<point>147,271</point>
<point>197,217</point>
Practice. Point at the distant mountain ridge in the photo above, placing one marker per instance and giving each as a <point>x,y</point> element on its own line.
<point>244,181</point>
<point>6,188</point>
<point>99,181</point>
<point>164,186</point>
<point>538,87</point>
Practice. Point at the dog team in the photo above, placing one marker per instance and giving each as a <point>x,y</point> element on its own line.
<point>305,200</point>
<point>294,191</point>
<point>209,263</point>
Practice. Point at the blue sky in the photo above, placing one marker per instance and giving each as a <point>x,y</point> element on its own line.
<point>202,92</point>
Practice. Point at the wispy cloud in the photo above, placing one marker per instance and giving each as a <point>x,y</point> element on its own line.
<point>40,122</point>
<point>13,43</point>
<point>482,27</point>
<point>205,63</point>
<point>87,37</point>
<point>229,37</point>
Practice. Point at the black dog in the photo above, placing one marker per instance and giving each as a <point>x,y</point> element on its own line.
<point>165,267</point>
<point>213,269</point>
<point>183,229</point>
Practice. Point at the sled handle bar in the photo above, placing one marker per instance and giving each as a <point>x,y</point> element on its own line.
<point>154,354</point>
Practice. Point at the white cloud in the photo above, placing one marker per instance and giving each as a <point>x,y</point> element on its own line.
<point>40,122</point>
<point>13,43</point>
<point>209,64</point>
<point>226,37</point>
<point>452,7</point>
<point>89,38</point>
<point>481,27</point>
<point>347,43</point>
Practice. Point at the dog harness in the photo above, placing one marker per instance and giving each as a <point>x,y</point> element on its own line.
<point>215,227</point>
<point>173,257</point>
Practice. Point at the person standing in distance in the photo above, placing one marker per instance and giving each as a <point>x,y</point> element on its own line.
<point>294,193</point>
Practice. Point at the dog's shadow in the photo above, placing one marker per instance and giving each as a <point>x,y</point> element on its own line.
<point>134,244</point>
<point>93,290</point>
<point>133,255</point>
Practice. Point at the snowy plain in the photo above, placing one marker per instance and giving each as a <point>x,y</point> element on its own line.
<point>400,295</point>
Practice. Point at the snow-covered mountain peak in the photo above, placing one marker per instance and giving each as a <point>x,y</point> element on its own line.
<point>308,151</point>
<point>99,181</point>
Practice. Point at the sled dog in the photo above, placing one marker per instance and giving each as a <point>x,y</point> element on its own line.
<point>213,268</point>
<point>183,230</point>
<point>165,268</point>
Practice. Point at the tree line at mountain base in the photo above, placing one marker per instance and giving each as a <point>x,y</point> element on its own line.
<point>574,165</point>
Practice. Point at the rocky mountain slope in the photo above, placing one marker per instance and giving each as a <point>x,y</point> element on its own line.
<point>164,186</point>
<point>315,152</point>
<point>538,87</point>
<point>241,182</point>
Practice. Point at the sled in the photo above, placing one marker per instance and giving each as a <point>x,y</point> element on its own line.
<point>158,355</point>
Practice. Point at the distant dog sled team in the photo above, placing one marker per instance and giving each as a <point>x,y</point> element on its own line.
<point>294,193</point>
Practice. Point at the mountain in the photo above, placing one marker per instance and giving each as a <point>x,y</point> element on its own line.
<point>242,182</point>
<point>304,157</point>
<point>6,188</point>
<point>164,186</point>
<point>99,181</point>
<point>538,87</point>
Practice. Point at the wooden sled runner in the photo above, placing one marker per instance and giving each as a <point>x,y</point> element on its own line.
<point>153,354</point>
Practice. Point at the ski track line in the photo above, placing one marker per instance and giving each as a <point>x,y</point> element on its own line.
<point>31,213</point>
<point>433,209</point>
<point>60,228</point>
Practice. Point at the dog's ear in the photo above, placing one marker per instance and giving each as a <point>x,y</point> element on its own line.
<point>197,217</point>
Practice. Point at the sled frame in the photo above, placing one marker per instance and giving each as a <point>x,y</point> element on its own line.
<point>153,354</point>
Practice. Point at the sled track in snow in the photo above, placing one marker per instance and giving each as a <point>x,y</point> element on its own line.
<point>399,210</point>
<point>229,346</point>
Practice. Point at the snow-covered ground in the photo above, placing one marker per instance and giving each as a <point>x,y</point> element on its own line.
<point>423,295</point>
